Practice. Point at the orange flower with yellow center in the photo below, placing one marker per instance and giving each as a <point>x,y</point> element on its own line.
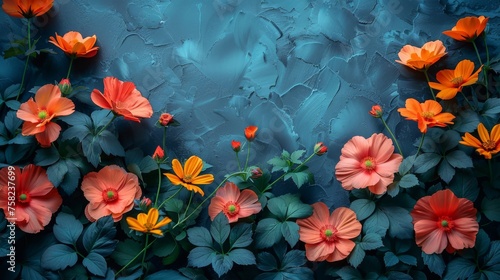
<point>427,114</point>
<point>189,176</point>
<point>148,223</point>
<point>26,8</point>
<point>467,28</point>
<point>73,44</point>
<point>421,58</point>
<point>488,144</point>
<point>452,81</point>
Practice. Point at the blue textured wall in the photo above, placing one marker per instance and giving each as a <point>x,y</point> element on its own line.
<point>303,71</point>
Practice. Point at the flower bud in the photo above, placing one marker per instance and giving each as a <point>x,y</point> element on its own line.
<point>165,119</point>
<point>376,111</point>
<point>250,132</point>
<point>65,87</point>
<point>256,173</point>
<point>320,149</point>
<point>158,154</point>
<point>144,204</point>
<point>236,145</point>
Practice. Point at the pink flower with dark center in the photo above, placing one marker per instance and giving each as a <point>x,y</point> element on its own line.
<point>235,204</point>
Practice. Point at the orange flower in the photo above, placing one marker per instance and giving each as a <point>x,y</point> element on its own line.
<point>38,114</point>
<point>123,99</point>
<point>376,111</point>
<point>236,145</point>
<point>489,143</point>
<point>148,223</point>
<point>111,191</point>
<point>73,44</point>
<point>427,114</point>
<point>421,58</point>
<point>250,132</point>
<point>451,81</point>
<point>328,236</point>
<point>188,176</point>
<point>233,203</point>
<point>36,199</point>
<point>467,28</point>
<point>443,221</point>
<point>159,154</point>
<point>27,8</point>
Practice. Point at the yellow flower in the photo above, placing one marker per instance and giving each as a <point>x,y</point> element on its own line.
<point>148,223</point>
<point>488,144</point>
<point>188,176</point>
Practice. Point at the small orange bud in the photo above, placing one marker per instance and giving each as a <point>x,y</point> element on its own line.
<point>158,154</point>
<point>250,132</point>
<point>376,111</point>
<point>236,145</point>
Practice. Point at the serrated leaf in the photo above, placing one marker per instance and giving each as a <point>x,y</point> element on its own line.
<point>58,257</point>
<point>296,155</point>
<point>79,132</point>
<point>371,241</point>
<point>491,208</point>
<point>459,159</point>
<point>201,256</point>
<point>220,228</point>
<point>240,236</point>
<point>166,274</point>
<point>98,237</point>
<point>294,258</point>
<point>242,256</point>
<point>459,268</point>
<point>357,255</point>
<point>363,208</point>
<point>56,172</point>
<point>91,150</point>
<point>110,144</point>
<point>12,52</point>
<point>426,161</point>
<point>465,185</point>
<point>400,222</point>
<point>267,233</point>
<point>446,171</point>
<point>408,181</point>
<point>96,264</point>
<point>435,263</point>
<point>67,228</point>
<point>165,246</point>
<point>491,108</point>
<point>221,264</point>
<point>408,259</point>
<point>126,251</point>
<point>377,223</point>
<point>390,259</point>
<point>45,157</point>
<point>266,262</point>
<point>199,236</point>
<point>466,121</point>
<point>482,243</point>
<point>278,164</point>
<point>299,178</point>
<point>492,258</point>
<point>77,119</point>
<point>349,273</point>
<point>71,178</point>
<point>290,231</point>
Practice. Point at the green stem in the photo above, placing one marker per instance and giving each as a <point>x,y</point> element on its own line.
<point>428,81</point>
<point>159,185</point>
<point>248,155</point>
<point>485,75</point>
<point>172,196</point>
<point>268,187</point>
<point>70,66</point>
<point>145,251</point>
<point>477,53</point>
<point>106,125</point>
<point>189,203</point>
<point>238,161</point>
<point>487,51</point>
<point>392,136</point>
<point>26,62</point>
<point>490,169</point>
<point>164,138</point>
<point>466,100</point>
<point>136,256</point>
<point>420,145</point>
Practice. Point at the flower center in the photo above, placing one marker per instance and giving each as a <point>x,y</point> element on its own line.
<point>187,178</point>
<point>369,163</point>
<point>149,226</point>
<point>328,233</point>
<point>24,198</point>
<point>489,145</point>
<point>428,115</point>
<point>457,81</point>
<point>109,195</point>
<point>232,208</point>
<point>445,223</point>
<point>42,115</point>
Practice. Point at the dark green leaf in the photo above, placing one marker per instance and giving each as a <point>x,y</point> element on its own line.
<point>126,251</point>
<point>357,255</point>
<point>466,121</point>
<point>299,178</point>
<point>221,264</point>
<point>267,233</point>
<point>491,108</point>
<point>148,164</point>
<point>349,273</point>
<point>363,208</point>
<point>199,236</point>
<point>408,181</point>
<point>16,153</point>
<point>390,259</point>
<point>400,222</point>
<point>408,259</point>
<point>77,119</point>
<point>465,185</point>
<point>289,206</point>
<point>435,263</point>
<point>167,245</point>
<point>58,256</point>
<point>71,178</point>
<point>426,161</point>
<point>56,172</point>
<point>67,228</point>
<point>266,262</point>
<point>13,104</point>
<point>98,237</point>
<point>220,228</point>
<point>406,165</point>
<point>377,223</point>
<point>459,159</point>
<point>45,157</point>
<point>166,274</point>
<point>92,150</point>
<point>242,256</point>
<point>290,231</point>
<point>371,241</point>
<point>459,268</point>
<point>482,243</point>
<point>12,122</point>
<point>201,256</point>
<point>491,208</point>
<point>294,258</point>
<point>79,132</point>
<point>96,264</point>
<point>240,236</point>
<point>492,258</point>
<point>100,118</point>
<point>446,171</point>
<point>110,144</point>
<point>12,52</point>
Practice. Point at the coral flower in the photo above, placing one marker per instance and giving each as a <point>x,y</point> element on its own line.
<point>328,236</point>
<point>236,145</point>
<point>421,58</point>
<point>427,114</point>
<point>488,144</point>
<point>148,223</point>
<point>111,191</point>
<point>27,8</point>
<point>443,221</point>
<point>39,113</point>
<point>368,163</point>
<point>233,203</point>
<point>376,111</point>
<point>189,176</point>
<point>468,28</point>
<point>123,99</point>
<point>451,81</point>
<point>36,199</point>
<point>250,132</point>
<point>159,154</point>
<point>74,45</point>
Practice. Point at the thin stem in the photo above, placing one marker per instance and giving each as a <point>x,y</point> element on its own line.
<point>159,185</point>
<point>145,251</point>
<point>172,196</point>
<point>420,145</point>
<point>392,136</point>
<point>26,62</point>
<point>485,75</point>
<point>283,175</point>
<point>136,256</point>
<point>164,138</point>
<point>238,161</point>
<point>248,155</point>
<point>477,53</point>
<point>428,81</point>
<point>487,51</point>
<point>104,127</point>
<point>466,100</point>
<point>189,203</point>
<point>70,66</point>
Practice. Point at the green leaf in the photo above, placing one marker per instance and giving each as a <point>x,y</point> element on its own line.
<point>349,273</point>
<point>58,257</point>
<point>240,236</point>
<point>292,259</point>
<point>56,172</point>
<point>435,263</point>
<point>466,121</point>
<point>266,262</point>
<point>221,264</point>
<point>267,233</point>
<point>482,243</point>
<point>167,245</point>
<point>166,274</point>
<point>459,268</point>
<point>12,122</point>
<point>45,157</point>
<point>299,178</point>
<point>98,237</point>
<point>491,108</point>
<point>12,52</point>
<point>492,258</point>
<point>408,259</point>
<point>459,159</point>
<point>357,255</point>
<point>220,228</point>
<point>363,208</point>
<point>91,150</point>
<point>200,236</point>
<point>408,181</point>
<point>446,171</point>
<point>371,241</point>
<point>377,223</point>
<point>77,119</point>
<point>278,164</point>
<point>71,179</point>
<point>390,259</point>
<point>126,251</point>
<point>491,208</point>
<point>67,228</point>
<point>400,222</point>
<point>201,256</point>
<point>289,206</point>
<point>242,256</point>
<point>110,144</point>
<point>96,264</point>
<point>295,156</point>
<point>290,231</point>
<point>79,132</point>
<point>465,185</point>
<point>426,161</point>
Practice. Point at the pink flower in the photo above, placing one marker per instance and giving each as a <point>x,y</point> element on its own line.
<point>233,203</point>
<point>368,163</point>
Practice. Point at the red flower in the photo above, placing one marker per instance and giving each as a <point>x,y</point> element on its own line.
<point>328,236</point>
<point>233,203</point>
<point>27,8</point>
<point>38,113</point>
<point>320,149</point>
<point>165,119</point>
<point>123,99</point>
<point>36,199</point>
<point>250,132</point>
<point>443,221</point>
<point>376,111</point>
<point>158,154</point>
<point>111,191</point>
<point>236,145</point>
